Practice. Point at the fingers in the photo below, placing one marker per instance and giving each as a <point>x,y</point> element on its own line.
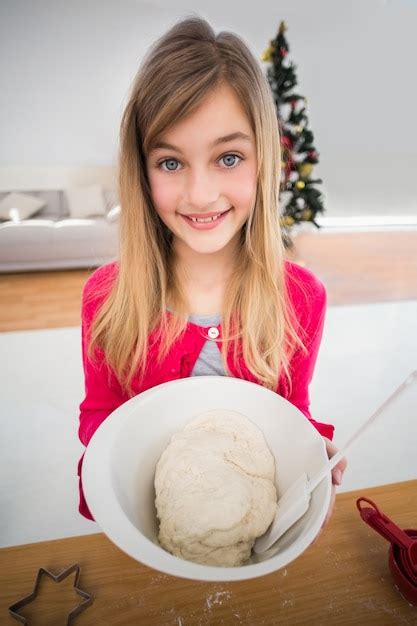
<point>338,470</point>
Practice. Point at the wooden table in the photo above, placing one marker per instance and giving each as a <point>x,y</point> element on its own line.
<point>342,579</point>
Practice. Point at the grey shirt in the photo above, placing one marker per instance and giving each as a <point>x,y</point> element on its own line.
<point>209,361</point>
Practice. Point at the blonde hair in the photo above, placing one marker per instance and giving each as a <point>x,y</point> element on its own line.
<point>178,72</point>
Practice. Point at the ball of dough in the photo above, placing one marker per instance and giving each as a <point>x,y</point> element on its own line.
<point>215,489</point>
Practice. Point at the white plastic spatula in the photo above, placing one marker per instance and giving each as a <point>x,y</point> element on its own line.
<point>295,501</point>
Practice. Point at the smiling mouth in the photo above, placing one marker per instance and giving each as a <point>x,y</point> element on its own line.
<point>206,220</point>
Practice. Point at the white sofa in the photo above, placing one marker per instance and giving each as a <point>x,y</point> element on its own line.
<point>51,239</point>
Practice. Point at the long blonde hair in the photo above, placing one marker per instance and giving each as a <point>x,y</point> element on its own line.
<point>178,72</point>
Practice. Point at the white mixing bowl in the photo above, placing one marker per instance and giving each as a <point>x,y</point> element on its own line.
<point>120,460</point>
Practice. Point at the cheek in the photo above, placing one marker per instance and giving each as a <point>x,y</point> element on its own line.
<point>243,190</point>
<point>163,194</point>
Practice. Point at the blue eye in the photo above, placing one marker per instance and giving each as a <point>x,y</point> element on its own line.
<point>232,156</point>
<point>230,166</point>
<point>167,161</point>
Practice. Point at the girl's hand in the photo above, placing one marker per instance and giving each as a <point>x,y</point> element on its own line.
<point>337,475</point>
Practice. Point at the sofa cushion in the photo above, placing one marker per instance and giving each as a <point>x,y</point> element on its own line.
<point>19,206</point>
<point>113,214</point>
<point>85,201</point>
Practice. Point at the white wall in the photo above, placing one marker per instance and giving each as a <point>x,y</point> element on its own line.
<point>66,68</point>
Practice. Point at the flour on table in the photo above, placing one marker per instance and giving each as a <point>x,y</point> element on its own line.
<point>215,489</point>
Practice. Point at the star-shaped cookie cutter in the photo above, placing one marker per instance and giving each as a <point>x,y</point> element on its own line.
<point>56,578</point>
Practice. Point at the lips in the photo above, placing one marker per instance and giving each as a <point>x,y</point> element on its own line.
<point>205,217</point>
<point>209,220</point>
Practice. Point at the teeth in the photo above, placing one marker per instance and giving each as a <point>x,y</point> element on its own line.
<point>205,220</point>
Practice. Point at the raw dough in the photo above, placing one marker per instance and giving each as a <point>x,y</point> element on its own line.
<point>215,489</point>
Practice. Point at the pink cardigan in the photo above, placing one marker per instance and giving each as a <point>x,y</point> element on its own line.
<point>103,393</point>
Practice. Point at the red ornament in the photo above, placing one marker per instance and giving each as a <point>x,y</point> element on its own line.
<point>283,52</point>
<point>288,168</point>
<point>287,142</point>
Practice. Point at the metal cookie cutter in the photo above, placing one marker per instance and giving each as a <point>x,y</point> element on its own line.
<point>56,578</point>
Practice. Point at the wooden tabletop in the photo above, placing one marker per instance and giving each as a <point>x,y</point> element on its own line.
<point>342,579</point>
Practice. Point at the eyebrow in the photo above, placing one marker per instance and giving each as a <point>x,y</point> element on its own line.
<point>216,142</point>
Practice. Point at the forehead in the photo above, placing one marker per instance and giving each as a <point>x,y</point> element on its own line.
<point>220,119</point>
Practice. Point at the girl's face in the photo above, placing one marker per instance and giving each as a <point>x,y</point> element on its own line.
<point>202,175</point>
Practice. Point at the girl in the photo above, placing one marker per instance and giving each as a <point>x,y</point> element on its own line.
<point>201,285</point>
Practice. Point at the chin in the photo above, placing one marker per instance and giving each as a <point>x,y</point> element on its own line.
<point>208,247</point>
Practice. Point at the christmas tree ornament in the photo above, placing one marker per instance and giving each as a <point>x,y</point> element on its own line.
<point>267,55</point>
<point>287,220</point>
<point>305,169</point>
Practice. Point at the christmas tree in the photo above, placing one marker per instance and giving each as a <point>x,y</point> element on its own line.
<point>299,199</point>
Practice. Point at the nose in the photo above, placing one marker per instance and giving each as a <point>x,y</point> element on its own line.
<point>200,190</point>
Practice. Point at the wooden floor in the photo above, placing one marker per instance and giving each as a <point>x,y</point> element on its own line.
<point>356,267</point>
